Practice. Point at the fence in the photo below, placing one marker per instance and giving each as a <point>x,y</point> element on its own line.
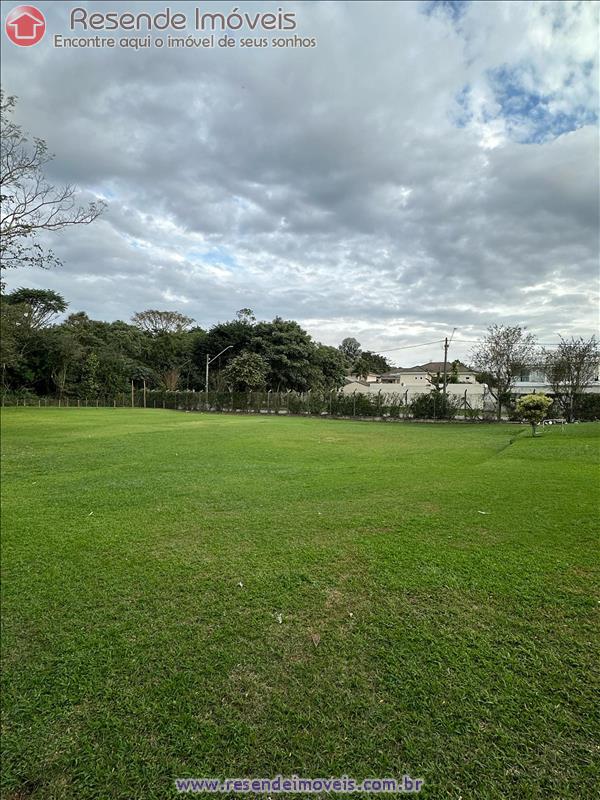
<point>312,403</point>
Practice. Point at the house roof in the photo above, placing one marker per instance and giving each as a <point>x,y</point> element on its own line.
<point>430,368</point>
<point>400,370</point>
<point>438,366</point>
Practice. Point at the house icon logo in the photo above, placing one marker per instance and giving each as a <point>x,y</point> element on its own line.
<point>25,25</point>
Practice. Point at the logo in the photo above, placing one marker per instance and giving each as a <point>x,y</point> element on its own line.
<point>25,25</point>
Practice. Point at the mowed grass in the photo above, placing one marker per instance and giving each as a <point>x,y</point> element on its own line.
<point>437,586</point>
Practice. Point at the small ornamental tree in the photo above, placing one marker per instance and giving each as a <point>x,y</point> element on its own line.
<point>533,408</point>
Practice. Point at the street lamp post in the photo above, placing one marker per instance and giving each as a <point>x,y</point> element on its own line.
<point>209,361</point>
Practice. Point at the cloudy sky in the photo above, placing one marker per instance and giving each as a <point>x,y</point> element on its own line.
<point>426,166</point>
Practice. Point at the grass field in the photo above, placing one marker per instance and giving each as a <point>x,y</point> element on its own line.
<point>418,599</point>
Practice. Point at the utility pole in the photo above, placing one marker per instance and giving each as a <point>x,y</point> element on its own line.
<point>144,393</point>
<point>132,394</point>
<point>446,345</point>
<point>206,379</point>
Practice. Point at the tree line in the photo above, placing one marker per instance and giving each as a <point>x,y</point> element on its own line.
<point>83,357</point>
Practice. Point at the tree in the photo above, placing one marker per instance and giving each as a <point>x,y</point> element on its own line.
<point>502,353</point>
<point>246,315</point>
<point>30,205</point>
<point>167,354</point>
<point>89,376</point>
<point>246,372</point>
<point>289,352</point>
<point>533,408</point>
<point>24,314</point>
<point>235,335</point>
<point>351,349</point>
<point>329,368</point>
<point>371,362</point>
<point>437,379</point>
<point>155,322</point>
<point>452,376</point>
<point>63,353</point>
<point>40,305</point>
<point>569,369</point>
<point>11,322</point>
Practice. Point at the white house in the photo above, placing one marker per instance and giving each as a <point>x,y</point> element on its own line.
<point>534,380</point>
<point>420,374</point>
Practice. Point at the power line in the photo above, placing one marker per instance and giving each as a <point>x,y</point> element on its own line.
<point>409,346</point>
<point>476,341</point>
<point>437,341</point>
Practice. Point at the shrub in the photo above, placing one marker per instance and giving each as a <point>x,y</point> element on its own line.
<point>434,406</point>
<point>533,408</point>
<point>587,407</point>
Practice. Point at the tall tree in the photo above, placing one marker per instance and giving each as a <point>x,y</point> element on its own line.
<point>40,306</point>
<point>569,368</point>
<point>155,322</point>
<point>350,348</point>
<point>289,351</point>
<point>371,362</point>
<point>502,354</point>
<point>246,315</point>
<point>31,205</point>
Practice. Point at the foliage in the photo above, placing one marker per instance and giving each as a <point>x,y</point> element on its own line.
<point>161,349</point>
<point>587,406</point>
<point>502,353</point>
<point>31,205</point>
<point>350,349</point>
<point>289,352</point>
<point>434,405</point>
<point>40,306</point>
<point>246,371</point>
<point>572,366</point>
<point>369,362</point>
<point>245,315</point>
<point>534,409</point>
<point>329,368</point>
<point>452,376</point>
<point>158,322</point>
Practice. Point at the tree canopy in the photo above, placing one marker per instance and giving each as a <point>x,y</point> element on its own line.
<point>572,366</point>
<point>533,408</point>
<point>82,356</point>
<point>501,355</point>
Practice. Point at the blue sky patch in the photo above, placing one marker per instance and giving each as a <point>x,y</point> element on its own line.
<point>528,114</point>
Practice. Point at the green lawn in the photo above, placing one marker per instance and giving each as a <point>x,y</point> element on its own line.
<point>455,645</point>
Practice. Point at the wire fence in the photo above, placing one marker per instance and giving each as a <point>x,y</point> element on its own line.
<point>311,403</point>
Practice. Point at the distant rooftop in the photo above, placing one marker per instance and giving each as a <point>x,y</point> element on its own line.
<point>430,368</point>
